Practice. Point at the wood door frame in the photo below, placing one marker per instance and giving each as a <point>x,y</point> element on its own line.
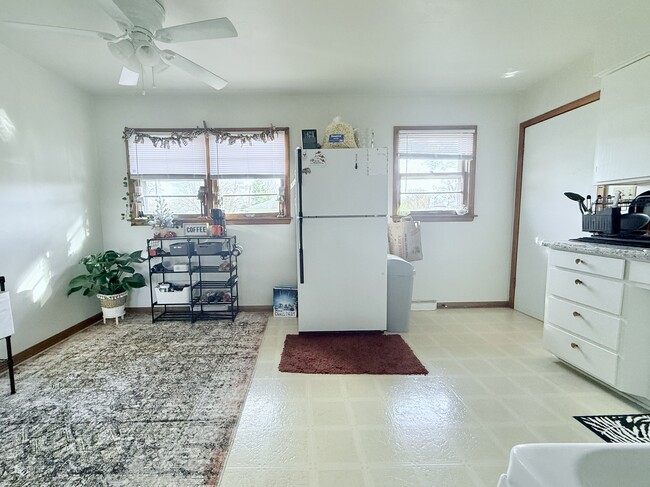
<point>580,102</point>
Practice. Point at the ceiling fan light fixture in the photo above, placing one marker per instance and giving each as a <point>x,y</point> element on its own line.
<point>147,55</point>
<point>122,50</point>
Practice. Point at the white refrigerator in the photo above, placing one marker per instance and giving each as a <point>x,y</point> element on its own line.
<point>342,204</point>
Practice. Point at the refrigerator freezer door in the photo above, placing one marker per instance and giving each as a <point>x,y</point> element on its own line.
<point>345,182</point>
<point>344,286</point>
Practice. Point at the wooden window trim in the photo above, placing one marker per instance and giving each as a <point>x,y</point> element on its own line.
<point>435,216</point>
<point>231,219</point>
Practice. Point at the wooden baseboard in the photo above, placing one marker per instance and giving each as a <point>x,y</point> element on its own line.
<point>139,310</point>
<point>257,308</point>
<point>474,304</point>
<point>53,340</point>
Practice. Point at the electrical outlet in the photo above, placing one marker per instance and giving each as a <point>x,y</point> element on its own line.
<point>628,192</point>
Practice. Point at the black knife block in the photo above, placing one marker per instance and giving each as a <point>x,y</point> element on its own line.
<point>607,221</point>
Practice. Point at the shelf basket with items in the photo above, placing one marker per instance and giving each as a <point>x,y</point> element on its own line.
<point>194,278</point>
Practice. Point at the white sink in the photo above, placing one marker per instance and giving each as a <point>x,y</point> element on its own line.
<point>578,465</point>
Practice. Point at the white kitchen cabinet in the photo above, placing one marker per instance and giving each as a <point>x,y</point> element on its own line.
<point>623,141</point>
<point>597,318</point>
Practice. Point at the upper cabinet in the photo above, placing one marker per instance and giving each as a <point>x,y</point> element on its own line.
<point>623,143</point>
<point>621,50</point>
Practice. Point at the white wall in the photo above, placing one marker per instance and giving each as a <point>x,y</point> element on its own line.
<point>559,156</point>
<point>48,197</point>
<point>463,261</point>
<point>568,84</point>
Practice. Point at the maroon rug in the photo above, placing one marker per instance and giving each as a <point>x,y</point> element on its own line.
<point>349,353</point>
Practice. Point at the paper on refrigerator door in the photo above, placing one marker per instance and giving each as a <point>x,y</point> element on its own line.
<point>377,163</point>
<point>6,318</point>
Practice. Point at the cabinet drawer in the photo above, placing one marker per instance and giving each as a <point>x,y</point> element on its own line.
<point>598,327</point>
<point>593,264</point>
<point>603,294</point>
<point>639,271</point>
<point>594,360</point>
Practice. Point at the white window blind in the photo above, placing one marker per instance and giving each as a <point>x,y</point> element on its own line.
<point>434,171</point>
<point>187,161</point>
<point>436,144</point>
<point>258,159</point>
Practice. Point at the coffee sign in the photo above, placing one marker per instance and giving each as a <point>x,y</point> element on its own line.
<point>195,229</point>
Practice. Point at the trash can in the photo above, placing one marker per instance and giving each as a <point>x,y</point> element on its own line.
<point>400,292</point>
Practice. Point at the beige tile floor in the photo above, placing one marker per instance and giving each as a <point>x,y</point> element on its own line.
<point>490,386</point>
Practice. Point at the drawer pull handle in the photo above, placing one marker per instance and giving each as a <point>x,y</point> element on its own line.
<point>580,261</point>
<point>576,314</point>
<point>578,282</point>
<point>574,345</point>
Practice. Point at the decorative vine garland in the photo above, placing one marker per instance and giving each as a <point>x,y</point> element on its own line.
<point>178,138</point>
<point>183,138</point>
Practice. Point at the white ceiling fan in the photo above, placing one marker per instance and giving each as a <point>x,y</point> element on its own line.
<point>141,22</point>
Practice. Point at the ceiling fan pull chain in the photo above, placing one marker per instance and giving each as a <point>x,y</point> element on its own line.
<point>142,79</point>
<point>153,78</point>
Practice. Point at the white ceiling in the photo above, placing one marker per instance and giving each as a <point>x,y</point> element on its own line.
<point>334,46</point>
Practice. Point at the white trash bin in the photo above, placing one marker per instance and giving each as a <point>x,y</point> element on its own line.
<point>400,292</point>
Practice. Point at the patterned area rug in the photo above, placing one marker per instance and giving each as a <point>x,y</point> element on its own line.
<point>130,404</point>
<point>349,353</point>
<point>623,428</point>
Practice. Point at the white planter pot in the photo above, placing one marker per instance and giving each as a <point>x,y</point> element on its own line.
<point>113,305</point>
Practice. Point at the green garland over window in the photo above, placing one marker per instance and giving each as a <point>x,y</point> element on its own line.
<point>182,138</point>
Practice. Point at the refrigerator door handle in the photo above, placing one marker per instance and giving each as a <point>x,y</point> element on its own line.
<point>301,260</point>
<point>299,174</point>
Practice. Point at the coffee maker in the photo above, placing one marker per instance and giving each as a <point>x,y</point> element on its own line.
<point>218,222</point>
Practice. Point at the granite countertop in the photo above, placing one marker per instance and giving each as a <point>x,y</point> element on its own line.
<point>605,250</point>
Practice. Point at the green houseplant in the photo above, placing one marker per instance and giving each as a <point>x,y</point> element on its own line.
<point>109,276</point>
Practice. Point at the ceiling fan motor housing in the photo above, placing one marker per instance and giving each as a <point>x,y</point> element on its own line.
<point>146,14</point>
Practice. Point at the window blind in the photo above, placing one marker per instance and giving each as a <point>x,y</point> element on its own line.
<point>258,159</point>
<point>147,161</point>
<point>436,144</point>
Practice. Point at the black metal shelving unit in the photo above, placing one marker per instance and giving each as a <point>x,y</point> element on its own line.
<point>10,358</point>
<point>205,277</point>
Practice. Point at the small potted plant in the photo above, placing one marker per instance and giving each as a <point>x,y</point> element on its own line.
<point>109,276</point>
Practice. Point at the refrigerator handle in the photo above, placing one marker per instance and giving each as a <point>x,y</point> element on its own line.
<point>301,260</point>
<point>299,177</point>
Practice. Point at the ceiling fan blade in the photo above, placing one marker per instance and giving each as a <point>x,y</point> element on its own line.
<point>68,30</point>
<point>128,77</point>
<point>197,31</point>
<point>193,69</point>
<point>116,13</point>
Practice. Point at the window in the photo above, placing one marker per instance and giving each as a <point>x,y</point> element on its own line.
<point>433,170</point>
<point>248,181</point>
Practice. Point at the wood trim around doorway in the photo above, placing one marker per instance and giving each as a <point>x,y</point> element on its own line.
<point>585,100</point>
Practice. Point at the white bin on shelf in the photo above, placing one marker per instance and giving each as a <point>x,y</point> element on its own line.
<point>400,293</point>
<point>173,297</point>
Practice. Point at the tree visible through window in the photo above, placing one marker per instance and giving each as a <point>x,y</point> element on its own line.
<point>248,181</point>
<point>434,172</point>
